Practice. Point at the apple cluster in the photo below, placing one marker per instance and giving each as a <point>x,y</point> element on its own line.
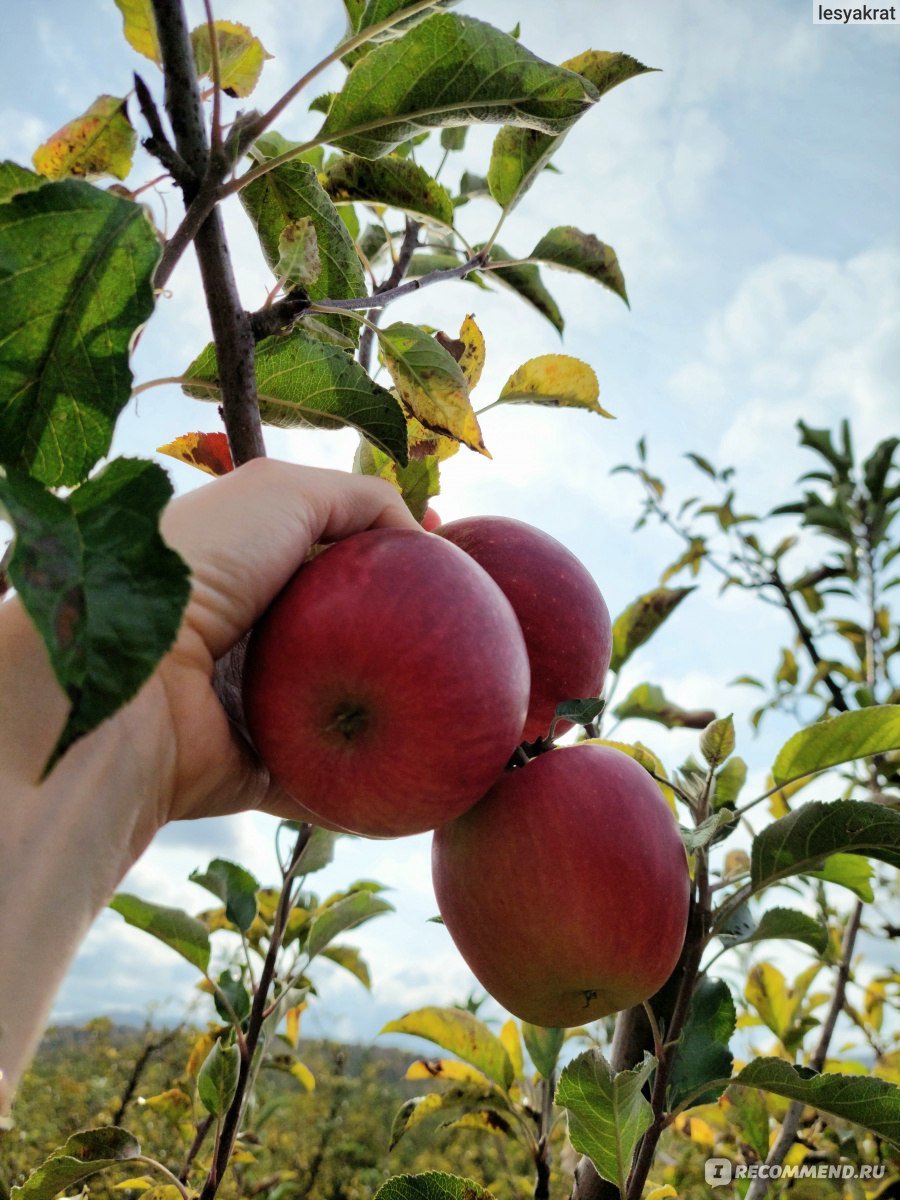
<point>388,687</point>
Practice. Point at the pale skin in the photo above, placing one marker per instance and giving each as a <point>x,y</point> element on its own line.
<point>170,754</point>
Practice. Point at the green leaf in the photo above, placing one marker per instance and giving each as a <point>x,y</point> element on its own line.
<point>570,249</point>
<point>235,886</point>
<point>285,195</point>
<point>717,740</point>
<point>217,1079</point>
<point>607,1113</point>
<point>458,1095</point>
<point>184,934</point>
<point>877,466</point>
<point>752,1118</point>
<point>394,182</point>
<point>82,1155</point>
<point>102,587</point>
<point>706,831</point>
<point>302,381</point>
<point>729,781</point>
<point>519,155</point>
<point>648,701</point>
<point>525,280</point>
<point>75,283</point>
<point>462,1034</point>
<point>450,70</point>
<point>433,1185</point>
<point>318,851</point>
<point>544,1045</point>
<point>351,960</point>
<point>640,621</point>
<point>863,1099</point>
<point>100,142</point>
<point>431,383</point>
<point>780,923</point>
<point>372,12</point>
<point>850,871</point>
<point>15,179</point>
<point>848,736</point>
<point>345,913</point>
<point>579,712</point>
<point>798,842</point>
<point>703,1054</point>
<point>231,989</point>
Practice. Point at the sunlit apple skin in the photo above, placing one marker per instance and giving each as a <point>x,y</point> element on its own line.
<point>386,687</point>
<point>561,610</point>
<point>566,888</point>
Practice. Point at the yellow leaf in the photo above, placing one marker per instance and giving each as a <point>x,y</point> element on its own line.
<point>471,362</point>
<point>445,1068</point>
<point>199,1054</point>
<point>666,1192</point>
<point>554,379</point>
<point>767,991</point>
<point>509,1036</point>
<point>424,444</point>
<point>99,142</point>
<point>162,1191</point>
<point>241,56</point>
<point>139,27</point>
<point>242,1156</point>
<point>696,1129</point>
<point>292,1016</point>
<point>208,452</point>
<point>132,1184</point>
<point>174,1104</point>
<point>430,383</point>
<point>737,862</point>
<point>304,1076</point>
<point>778,801</point>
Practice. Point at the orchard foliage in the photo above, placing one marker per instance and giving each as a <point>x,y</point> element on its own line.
<point>348,221</point>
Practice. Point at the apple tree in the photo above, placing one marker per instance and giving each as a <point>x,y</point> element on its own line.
<point>349,221</point>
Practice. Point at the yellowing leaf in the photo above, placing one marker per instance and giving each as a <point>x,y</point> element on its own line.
<point>163,1191</point>
<point>174,1104</point>
<point>471,362</point>
<point>557,380</point>
<point>139,27</point>
<point>696,1129</point>
<point>241,56</point>
<point>778,801</point>
<point>292,1017</point>
<point>208,452</point>
<point>737,862</point>
<point>666,1192</point>
<point>445,1068</point>
<point>509,1036</point>
<point>298,253</point>
<point>430,383</point>
<point>99,142</point>
<point>199,1054</point>
<point>304,1076</point>
<point>134,1183</point>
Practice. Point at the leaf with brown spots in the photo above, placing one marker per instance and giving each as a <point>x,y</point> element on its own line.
<point>431,383</point>
<point>99,142</point>
<point>241,56</point>
<point>557,380</point>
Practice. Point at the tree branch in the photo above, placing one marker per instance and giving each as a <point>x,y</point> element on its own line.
<point>806,637</point>
<point>231,326</point>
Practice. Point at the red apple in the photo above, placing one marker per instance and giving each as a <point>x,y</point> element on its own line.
<point>562,613</point>
<point>566,888</point>
<point>386,687</point>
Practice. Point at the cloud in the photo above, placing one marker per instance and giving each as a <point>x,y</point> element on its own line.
<point>802,337</point>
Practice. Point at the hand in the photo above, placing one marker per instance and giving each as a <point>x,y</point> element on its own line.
<point>171,753</point>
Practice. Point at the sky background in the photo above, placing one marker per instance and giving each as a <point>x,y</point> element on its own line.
<point>751,189</point>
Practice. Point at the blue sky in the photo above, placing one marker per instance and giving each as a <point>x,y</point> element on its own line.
<point>752,192</point>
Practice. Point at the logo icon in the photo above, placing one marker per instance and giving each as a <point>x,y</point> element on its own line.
<point>717,1171</point>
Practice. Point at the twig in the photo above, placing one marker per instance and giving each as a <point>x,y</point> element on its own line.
<point>158,143</point>
<point>401,265</point>
<point>231,1123</point>
<point>806,637</point>
<point>791,1123</point>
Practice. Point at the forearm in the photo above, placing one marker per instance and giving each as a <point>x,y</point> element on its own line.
<point>65,843</point>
